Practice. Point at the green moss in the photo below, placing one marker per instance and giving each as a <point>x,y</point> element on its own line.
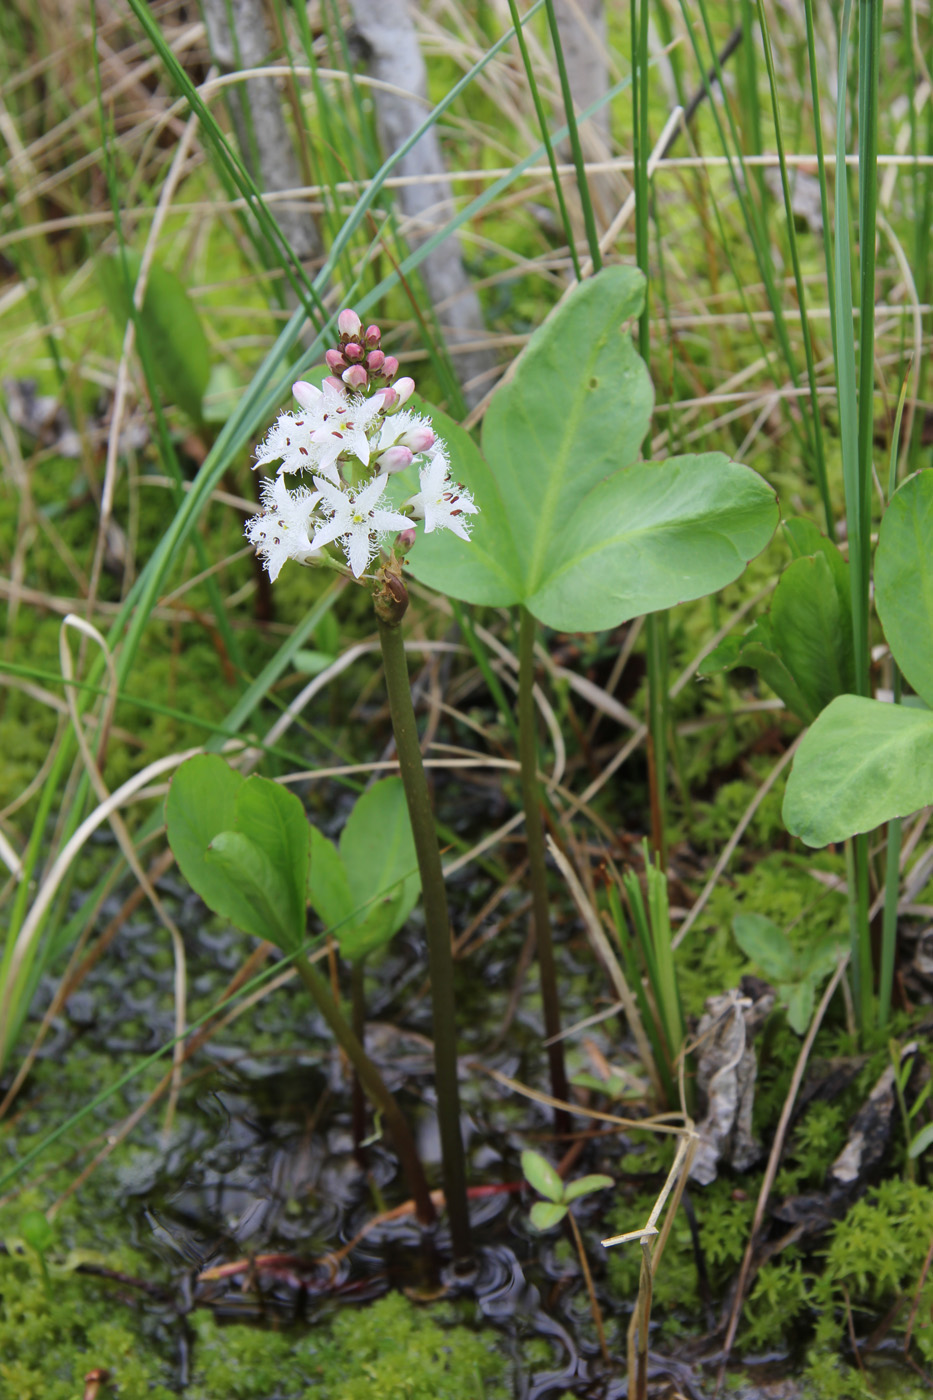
<point>392,1350</point>
<point>49,1340</point>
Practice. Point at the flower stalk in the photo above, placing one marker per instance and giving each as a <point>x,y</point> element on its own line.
<point>349,437</point>
<point>437,928</point>
<point>537,867</point>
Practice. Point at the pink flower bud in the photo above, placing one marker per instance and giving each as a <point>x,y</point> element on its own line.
<point>372,337</point>
<point>306,394</point>
<point>390,367</point>
<point>375,361</point>
<point>404,388</point>
<point>335,360</point>
<point>405,540</point>
<point>356,377</point>
<point>389,400</point>
<point>348,323</point>
<point>418,440</point>
<point>353,351</point>
<point>335,384</point>
<point>394,459</point>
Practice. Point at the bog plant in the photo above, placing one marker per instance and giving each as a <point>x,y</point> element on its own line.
<point>576,532</point>
<point>557,518</point>
<point>244,845</point>
<point>559,1196</point>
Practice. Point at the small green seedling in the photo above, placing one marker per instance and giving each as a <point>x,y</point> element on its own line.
<point>560,1195</point>
<point>550,1212</point>
<point>795,974</point>
<point>902,1062</point>
<point>38,1235</point>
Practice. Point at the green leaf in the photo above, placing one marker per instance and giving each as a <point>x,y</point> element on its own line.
<point>483,569</point>
<point>767,945</point>
<point>250,871</point>
<point>377,849</point>
<point>756,650</point>
<point>36,1230</point>
<point>545,1215</point>
<point>215,817</point>
<point>275,820</point>
<point>566,525</point>
<point>541,1175</point>
<point>921,1142</point>
<point>803,647</point>
<point>904,580</point>
<point>811,629</point>
<point>222,394</point>
<point>328,886</point>
<point>312,663</point>
<point>798,997</point>
<point>367,891</point>
<point>656,534</point>
<point>586,1185</point>
<point>805,537</point>
<point>201,803</point>
<point>818,960</point>
<point>578,407</point>
<point>860,764</point>
<point>168,322</point>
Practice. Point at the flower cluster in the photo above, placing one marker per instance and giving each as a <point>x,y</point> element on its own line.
<point>348,437</point>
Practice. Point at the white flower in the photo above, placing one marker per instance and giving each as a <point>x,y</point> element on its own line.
<point>409,429</point>
<point>441,502</point>
<point>358,520</point>
<point>328,424</point>
<point>283,529</point>
<point>345,428</point>
<point>290,441</point>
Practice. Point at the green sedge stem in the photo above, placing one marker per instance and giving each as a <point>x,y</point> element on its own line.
<point>892,872</point>
<point>656,648</point>
<point>537,867</point>
<point>374,1086</point>
<point>583,188</point>
<point>655,623</point>
<point>545,136</point>
<point>437,929</point>
<point>869,42</point>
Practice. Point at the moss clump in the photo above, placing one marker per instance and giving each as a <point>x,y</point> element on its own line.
<point>390,1351</point>
<point>50,1338</point>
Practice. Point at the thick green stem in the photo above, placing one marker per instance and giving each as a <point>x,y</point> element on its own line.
<point>437,928</point>
<point>537,868</point>
<point>358,1004</point>
<point>375,1087</point>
